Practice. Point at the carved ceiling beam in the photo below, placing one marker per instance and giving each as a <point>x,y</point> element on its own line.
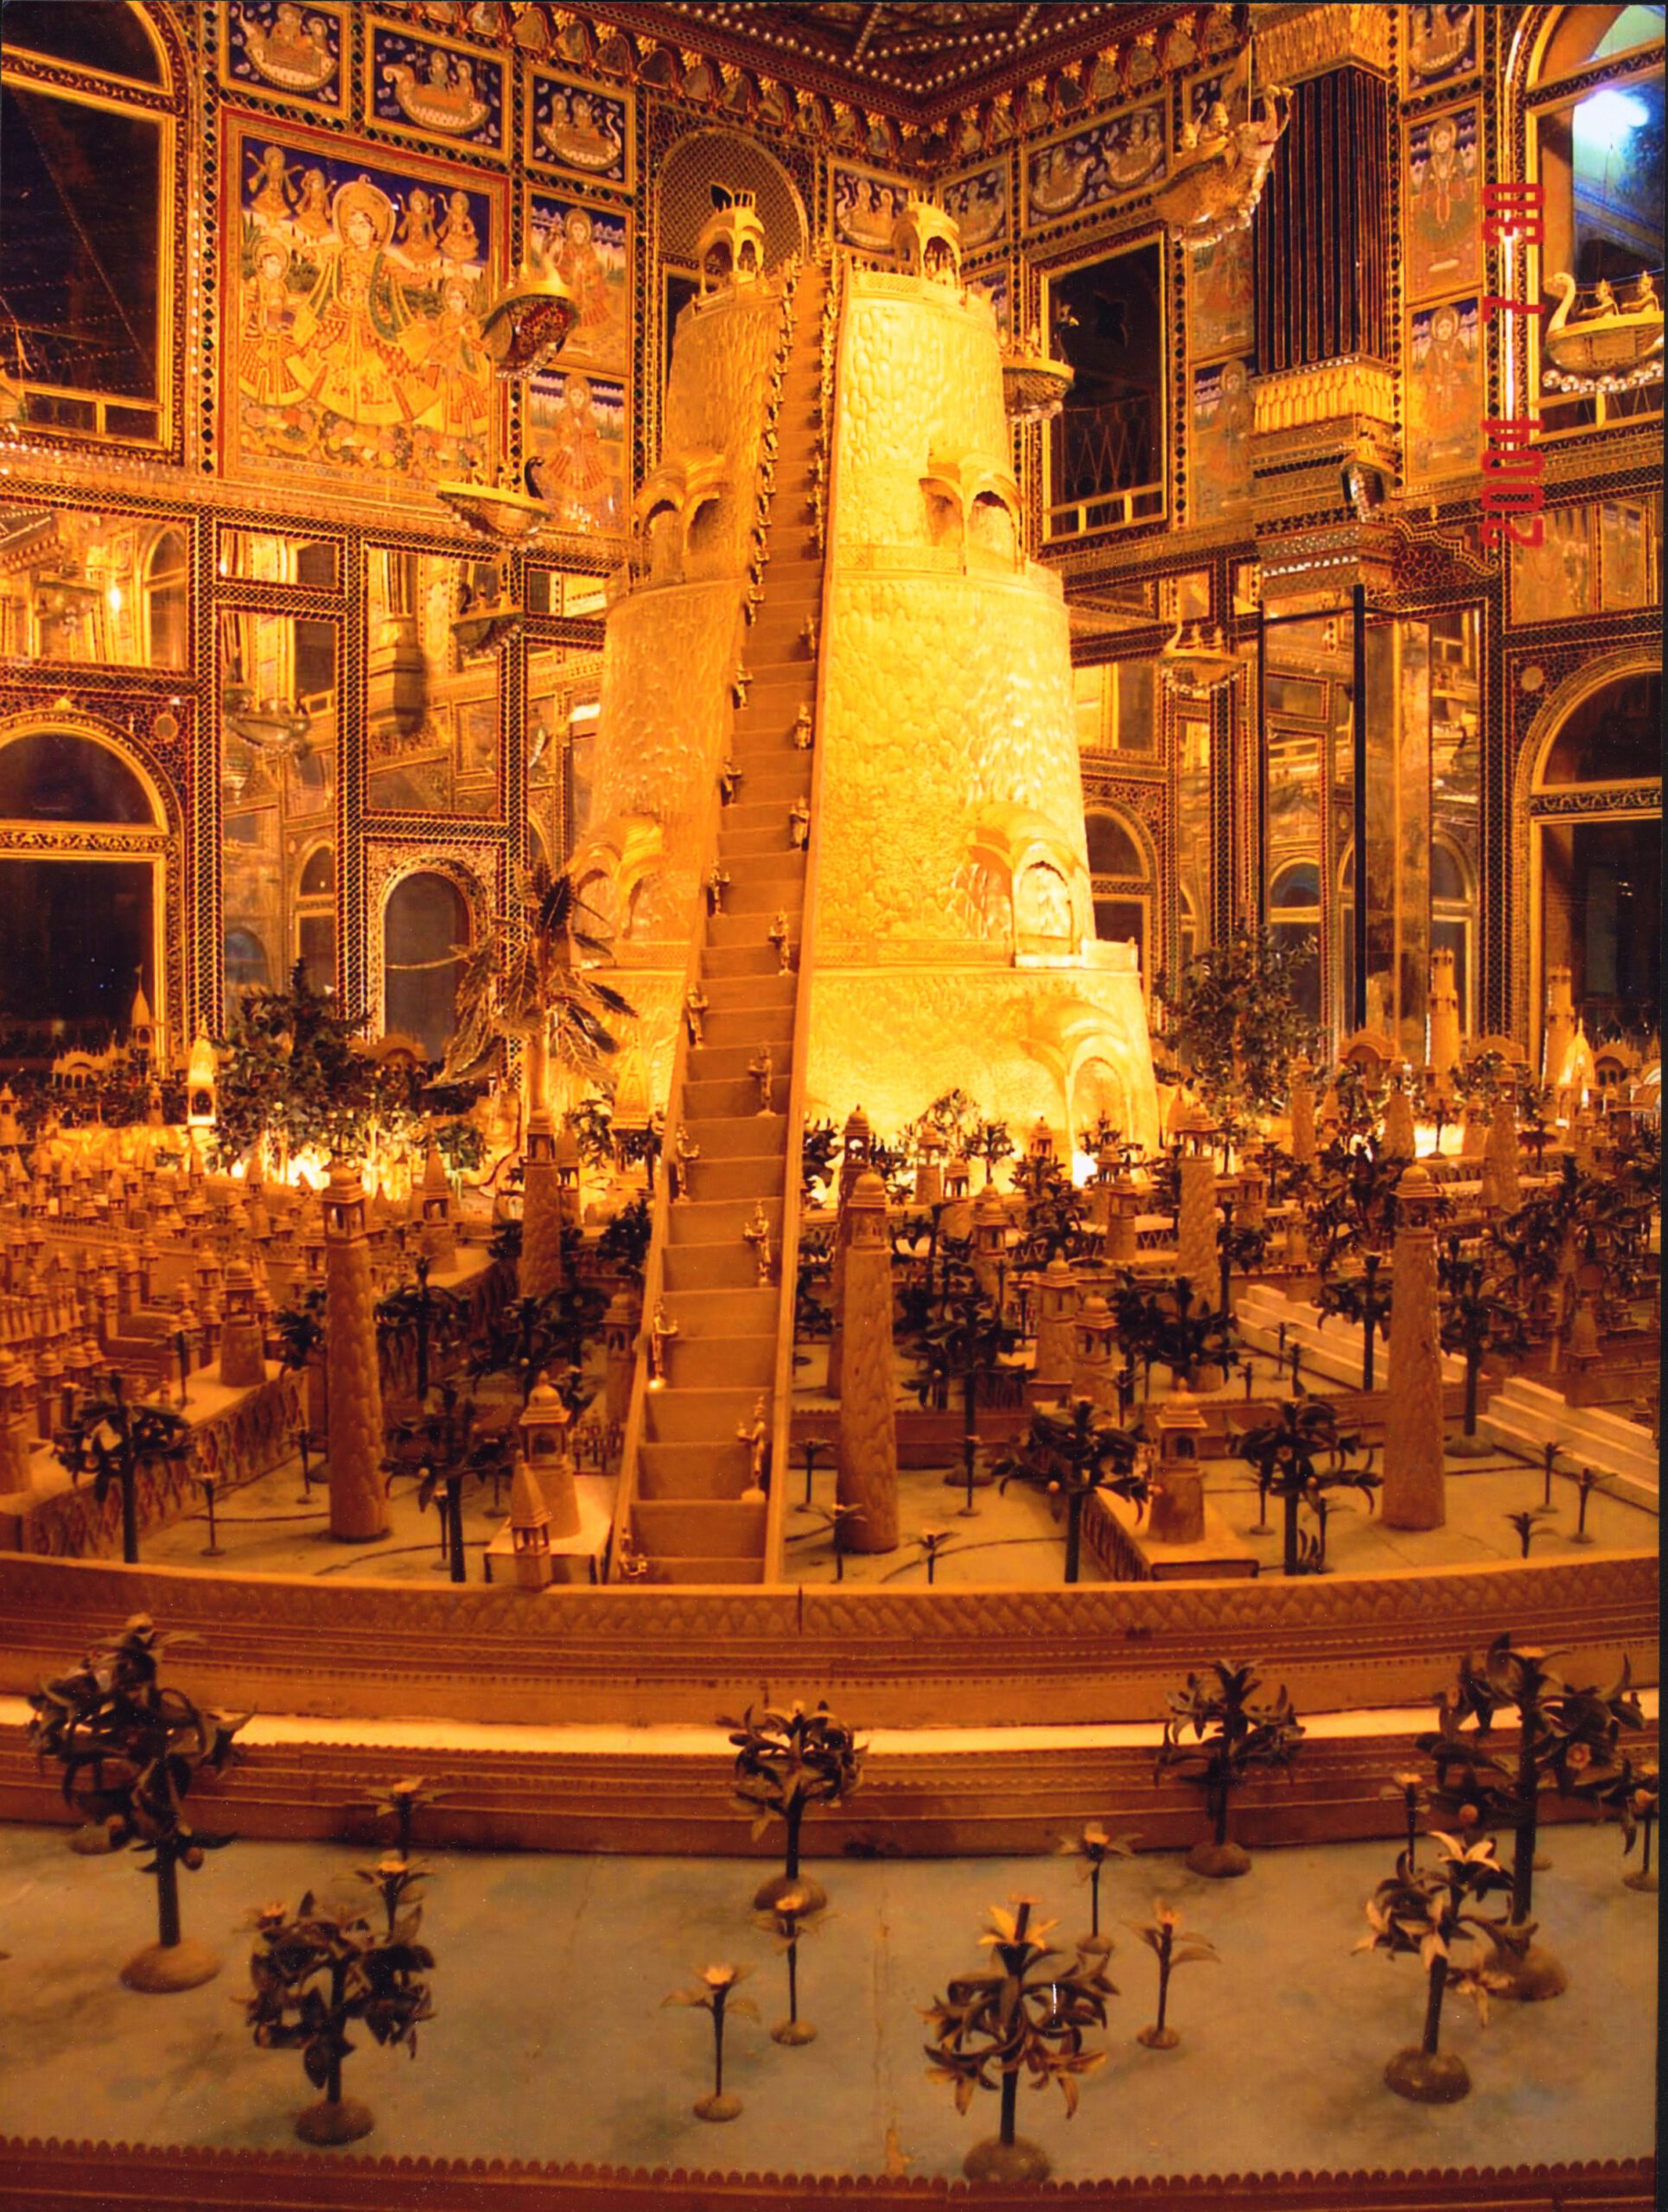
<point>1297,41</point>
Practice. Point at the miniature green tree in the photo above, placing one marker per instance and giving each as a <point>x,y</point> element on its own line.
<point>131,1749</point>
<point>1024,2017</point>
<point>1232,1735</point>
<point>713,1993</point>
<point>1072,1460</point>
<point>1567,1736</point>
<point>1159,1934</point>
<point>118,1439</point>
<point>1232,1020</point>
<point>1091,1849</point>
<point>427,1319</point>
<point>1428,1913</point>
<point>786,1763</point>
<point>322,1970</point>
<point>1299,1456</point>
<point>400,1801</point>
<point>992,1141</point>
<point>1365,1301</point>
<point>445,1447</point>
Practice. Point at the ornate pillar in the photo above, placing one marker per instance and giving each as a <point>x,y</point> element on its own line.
<point>868,1450</point>
<point>359,1505</point>
<point>540,1270</point>
<point>1413,1490</point>
<point>1051,1371</point>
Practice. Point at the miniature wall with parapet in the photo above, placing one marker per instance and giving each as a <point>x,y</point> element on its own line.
<point>953,944</point>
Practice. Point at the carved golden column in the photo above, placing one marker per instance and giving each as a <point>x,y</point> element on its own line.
<point>867,1468</point>
<point>541,1208</point>
<point>1195,1239</point>
<point>1413,1491</point>
<point>359,1503</point>
<point>1056,1329</point>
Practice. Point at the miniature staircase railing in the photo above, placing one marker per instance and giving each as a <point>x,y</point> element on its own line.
<point>689,1455</point>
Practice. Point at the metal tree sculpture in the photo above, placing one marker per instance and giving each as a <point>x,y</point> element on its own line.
<point>444,1446</point>
<point>130,1750</point>
<point>1565,1738</point>
<point>1231,1735</point>
<point>1299,1456</point>
<point>1477,1320</point>
<point>317,1972</point>
<point>1159,1934</point>
<point>1024,2017</point>
<point>1427,1912</point>
<point>427,1319</point>
<point>713,1993</point>
<point>786,1763</point>
<point>1091,1849</point>
<point>1365,1301</point>
<point>117,1438</point>
<point>1072,1460</point>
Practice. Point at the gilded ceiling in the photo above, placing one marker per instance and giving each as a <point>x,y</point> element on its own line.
<point>919,60</point>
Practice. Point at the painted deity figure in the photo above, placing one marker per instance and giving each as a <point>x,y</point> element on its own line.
<point>358,320</point>
<point>582,268</point>
<point>272,195</point>
<point>416,228</point>
<point>456,366</point>
<point>573,473</point>
<point>458,238</point>
<point>271,365</point>
<point>313,206</point>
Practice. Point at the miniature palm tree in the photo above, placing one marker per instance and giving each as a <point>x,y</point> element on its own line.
<point>1477,1321</point>
<point>1232,1734</point>
<point>1071,1460</point>
<point>1427,1913</point>
<point>318,1971</point>
<point>1528,1524</point>
<point>791,1917</point>
<point>535,978</point>
<point>1025,2016</point>
<point>991,1141</point>
<point>786,1763</point>
<point>443,1444</point>
<point>1298,1456</point>
<point>1566,1737</point>
<point>712,1994</point>
<point>400,1801</point>
<point>118,1437</point>
<point>1158,1934</point>
<point>1092,1849</point>
<point>430,1319</point>
<point>1364,1299</point>
<point>1639,1808</point>
<point>1408,1788</point>
<point>300,1330</point>
<point>130,1750</point>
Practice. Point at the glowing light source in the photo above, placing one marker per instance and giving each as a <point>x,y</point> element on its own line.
<point>1610,117</point>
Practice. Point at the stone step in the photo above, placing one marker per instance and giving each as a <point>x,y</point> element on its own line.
<point>731,963</point>
<point>708,1064</point>
<point>743,1029</point>
<point>703,1225</point>
<point>744,932</point>
<point>1525,1416</point>
<point>738,1136</point>
<point>728,1097</point>
<point>765,810</point>
<point>713,1363</point>
<point>743,995</point>
<point>689,1416</point>
<point>693,1530</point>
<point>756,1176</point>
<point>693,1470</point>
<point>764,843</point>
<point>704,1313</point>
<point>717,1267</point>
<point>754,892</point>
<point>690,1573</point>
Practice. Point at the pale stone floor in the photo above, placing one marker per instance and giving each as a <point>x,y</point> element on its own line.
<point>266,1530</point>
<point>549,2041</point>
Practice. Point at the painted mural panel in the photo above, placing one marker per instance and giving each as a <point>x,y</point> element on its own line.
<point>978,205</point>
<point>1628,535</point>
<point>1559,576</point>
<point>1444,388</point>
<point>280,50</point>
<point>865,207</point>
<point>1122,153</point>
<point>1442,210</point>
<point>425,87</point>
<point>1441,46</point>
<point>589,248</point>
<point>1221,304</point>
<point>994,286</point>
<point>1220,470</point>
<point>352,341</point>
<point>578,128</point>
<point>577,448</point>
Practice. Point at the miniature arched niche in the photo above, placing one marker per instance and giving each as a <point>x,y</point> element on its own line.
<point>1099,1093</point>
<point>991,526</point>
<point>426,932</point>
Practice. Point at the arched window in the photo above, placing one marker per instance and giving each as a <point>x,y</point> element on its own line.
<point>1453,911</point>
<point>425,938</point>
<point>246,961</point>
<point>315,917</point>
<point>86,178</point>
<point>1294,926</point>
<point>165,601</point>
<point>80,911</point>
<point>1595,858</point>
<point>1120,881</point>
<point>1595,148</point>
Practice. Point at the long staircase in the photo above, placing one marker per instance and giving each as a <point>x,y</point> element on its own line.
<point>689,1522</point>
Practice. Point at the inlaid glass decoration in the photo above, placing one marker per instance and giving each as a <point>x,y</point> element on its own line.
<point>436,90</point>
<point>1121,154</point>
<point>578,128</point>
<point>285,49</point>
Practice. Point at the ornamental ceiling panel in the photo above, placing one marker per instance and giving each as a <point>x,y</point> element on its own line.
<point>917,60</point>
